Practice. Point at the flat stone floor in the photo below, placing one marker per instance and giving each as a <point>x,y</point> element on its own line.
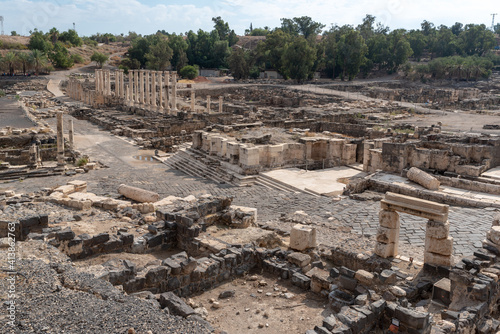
<point>468,226</point>
<point>493,173</point>
<point>323,181</point>
<point>12,115</point>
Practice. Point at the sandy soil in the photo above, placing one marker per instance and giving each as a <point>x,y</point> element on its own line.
<point>259,308</point>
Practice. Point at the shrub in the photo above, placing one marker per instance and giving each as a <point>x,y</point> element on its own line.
<point>189,72</point>
<point>82,162</point>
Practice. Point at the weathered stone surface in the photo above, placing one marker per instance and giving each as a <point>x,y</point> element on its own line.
<point>302,237</point>
<point>137,194</point>
<point>386,250</point>
<point>364,277</point>
<point>175,305</point>
<point>437,259</point>
<point>418,176</point>
<point>388,219</point>
<point>437,230</point>
<point>439,246</point>
<point>299,259</point>
<point>494,235</point>
<point>441,291</point>
<point>387,235</point>
<point>397,291</point>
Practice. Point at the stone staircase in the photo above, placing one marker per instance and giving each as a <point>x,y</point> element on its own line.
<point>272,183</point>
<point>196,163</point>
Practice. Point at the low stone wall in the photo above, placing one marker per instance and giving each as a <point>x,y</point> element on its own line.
<point>24,226</point>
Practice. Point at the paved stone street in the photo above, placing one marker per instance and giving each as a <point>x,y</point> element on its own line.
<point>468,226</point>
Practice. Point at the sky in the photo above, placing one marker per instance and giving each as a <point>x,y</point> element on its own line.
<point>148,16</point>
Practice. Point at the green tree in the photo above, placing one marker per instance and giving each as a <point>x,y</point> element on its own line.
<point>60,56</point>
<point>10,60</point>
<point>476,39</point>
<point>273,49</point>
<point>399,49</point>
<point>54,35</point>
<point>13,33</point>
<point>224,32</point>
<point>298,59</point>
<point>24,60</point>
<point>159,55</point>
<point>71,37</point>
<point>238,64</point>
<point>351,53</point>
<point>99,58</point>
<point>39,41</point>
<point>179,47</point>
<point>189,72</point>
<point>417,43</point>
<point>38,59</point>
<point>303,25</point>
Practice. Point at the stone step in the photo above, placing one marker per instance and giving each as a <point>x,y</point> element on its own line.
<point>271,185</point>
<point>288,186</point>
<point>186,162</point>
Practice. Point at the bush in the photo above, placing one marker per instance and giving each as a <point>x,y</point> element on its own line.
<point>77,59</point>
<point>189,72</point>
<point>82,162</point>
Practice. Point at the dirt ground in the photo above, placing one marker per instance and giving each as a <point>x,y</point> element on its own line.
<point>260,305</point>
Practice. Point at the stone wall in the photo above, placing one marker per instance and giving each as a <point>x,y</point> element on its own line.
<point>325,152</point>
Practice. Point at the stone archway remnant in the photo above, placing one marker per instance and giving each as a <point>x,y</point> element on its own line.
<point>438,243</point>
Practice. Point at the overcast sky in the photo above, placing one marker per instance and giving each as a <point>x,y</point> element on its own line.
<point>149,16</point>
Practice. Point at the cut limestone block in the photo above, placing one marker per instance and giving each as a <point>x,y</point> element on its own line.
<point>439,246</point>
<point>437,259</point>
<point>389,219</point>
<point>80,186</point>
<point>364,277</point>
<point>422,178</point>
<point>494,235</point>
<point>302,237</point>
<point>67,189</point>
<point>137,194</point>
<point>387,235</point>
<point>386,250</point>
<point>437,230</point>
<point>299,259</point>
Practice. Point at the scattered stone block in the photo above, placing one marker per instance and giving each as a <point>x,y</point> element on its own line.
<point>137,194</point>
<point>441,291</point>
<point>299,259</point>
<point>426,180</point>
<point>439,246</point>
<point>175,305</point>
<point>364,277</point>
<point>302,237</point>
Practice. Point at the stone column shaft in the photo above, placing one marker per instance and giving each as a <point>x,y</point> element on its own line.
<point>167,91</point>
<point>147,93</point>
<point>193,101</point>
<point>174,91</point>
<point>220,104</point>
<point>71,134</point>
<point>153,89</point>
<point>60,139</point>
<point>160,93</point>
<point>141,87</point>
<point>208,104</point>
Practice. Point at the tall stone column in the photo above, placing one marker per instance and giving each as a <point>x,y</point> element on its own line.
<point>167,91</point>
<point>130,84</point>
<point>127,95</point>
<point>208,104</point>
<point>141,87</point>
<point>220,104</point>
<point>160,92</point>
<point>193,101</point>
<point>71,134</point>
<point>117,83</point>
<point>60,139</point>
<point>96,76</point>
<point>108,86</point>
<point>387,234</point>
<point>122,84</point>
<point>136,87</point>
<point>153,89</point>
<point>174,91</point>
<point>147,93</point>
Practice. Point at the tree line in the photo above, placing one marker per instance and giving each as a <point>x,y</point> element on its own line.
<point>299,47</point>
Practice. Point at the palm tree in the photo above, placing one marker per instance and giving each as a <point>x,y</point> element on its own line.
<point>25,60</point>
<point>10,59</point>
<point>38,59</point>
<point>54,34</point>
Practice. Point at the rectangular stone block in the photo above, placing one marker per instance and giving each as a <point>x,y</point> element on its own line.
<point>388,219</point>
<point>437,230</point>
<point>387,235</point>
<point>437,259</point>
<point>439,246</point>
<point>415,206</point>
<point>302,237</point>
<point>364,277</point>
<point>386,250</point>
<point>441,291</point>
